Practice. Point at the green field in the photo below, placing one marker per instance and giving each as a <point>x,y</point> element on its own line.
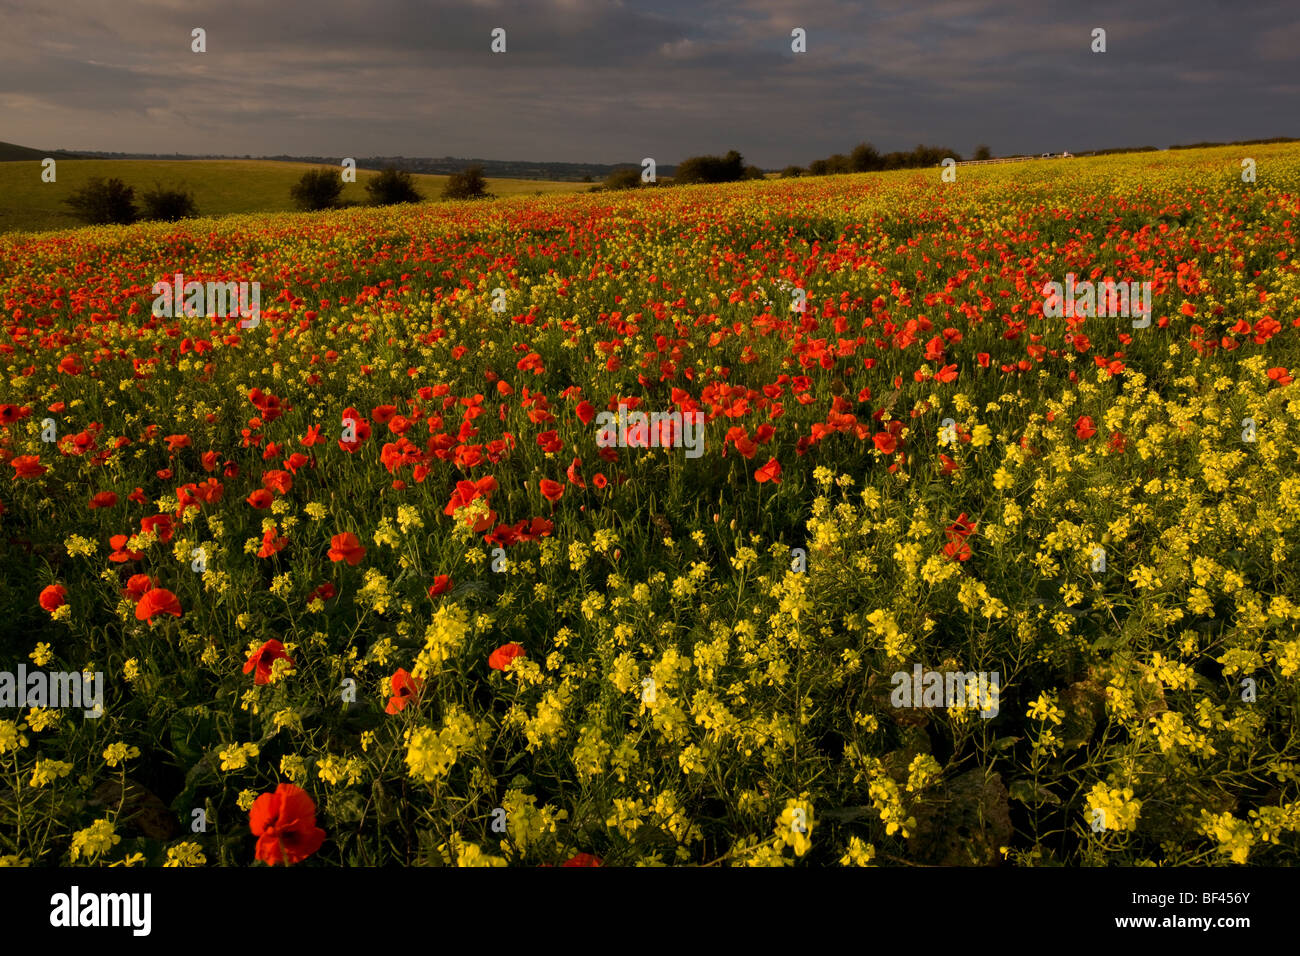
<point>220,186</point>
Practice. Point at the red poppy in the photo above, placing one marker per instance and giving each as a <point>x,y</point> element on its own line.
<point>160,525</point>
<point>501,658</point>
<point>120,551</point>
<point>769,472</point>
<point>103,499</point>
<point>963,527</point>
<point>552,491</point>
<point>263,658</point>
<point>346,547</point>
<point>599,480</point>
<point>261,498</point>
<point>355,426</point>
<point>585,412</point>
<point>582,859</point>
<point>28,466</point>
<point>957,550</point>
<point>53,597</point>
<point>1084,428</point>
<point>324,592</point>
<point>157,601</point>
<point>405,690</point>
<point>137,586</point>
<point>277,481</point>
<point>284,823</point>
<point>296,461</point>
<point>885,442</point>
<point>272,543</point>
<point>441,585</point>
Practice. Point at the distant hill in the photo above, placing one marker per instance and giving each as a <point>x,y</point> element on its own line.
<point>12,153</point>
<point>219,186</point>
<point>433,166</point>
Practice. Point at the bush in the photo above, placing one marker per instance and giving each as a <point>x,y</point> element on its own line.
<point>466,184</point>
<point>392,186</point>
<point>623,179</point>
<point>753,172</point>
<point>792,172</point>
<point>711,169</point>
<point>983,152</point>
<point>865,159</point>
<point>318,189</point>
<point>103,202</point>
<point>168,205</point>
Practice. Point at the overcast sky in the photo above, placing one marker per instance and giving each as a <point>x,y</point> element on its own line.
<point>619,80</point>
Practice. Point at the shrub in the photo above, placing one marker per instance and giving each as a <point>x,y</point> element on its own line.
<point>711,169</point>
<point>392,186</point>
<point>865,159</point>
<point>629,178</point>
<point>317,189</point>
<point>168,205</point>
<point>466,184</point>
<point>103,202</point>
<point>792,172</point>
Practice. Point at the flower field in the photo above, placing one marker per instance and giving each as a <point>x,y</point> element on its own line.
<point>369,580</point>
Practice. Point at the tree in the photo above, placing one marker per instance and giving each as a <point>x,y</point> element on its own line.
<point>865,158</point>
<point>983,152</point>
<point>168,205</point>
<point>103,202</point>
<point>790,172</point>
<point>392,186</point>
<point>466,184</point>
<point>317,189</point>
<point>629,178</point>
<point>711,169</point>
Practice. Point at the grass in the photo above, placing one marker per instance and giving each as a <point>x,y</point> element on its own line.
<point>220,187</point>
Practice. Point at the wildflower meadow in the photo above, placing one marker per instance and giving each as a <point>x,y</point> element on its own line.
<point>941,517</point>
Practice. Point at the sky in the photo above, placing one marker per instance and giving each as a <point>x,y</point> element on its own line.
<point>606,81</point>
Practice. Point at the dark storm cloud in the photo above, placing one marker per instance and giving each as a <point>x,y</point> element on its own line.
<point>602,80</point>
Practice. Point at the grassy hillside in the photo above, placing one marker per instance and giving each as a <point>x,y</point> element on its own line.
<point>11,152</point>
<point>220,186</point>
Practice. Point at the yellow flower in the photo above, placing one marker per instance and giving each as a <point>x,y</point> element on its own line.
<point>46,770</point>
<point>95,839</point>
<point>185,854</point>
<point>119,752</point>
<point>858,854</point>
<point>795,825</point>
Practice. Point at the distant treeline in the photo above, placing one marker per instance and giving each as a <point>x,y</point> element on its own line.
<point>1241,142</point>
<point>1156,149</point>
<point>865,158</point>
